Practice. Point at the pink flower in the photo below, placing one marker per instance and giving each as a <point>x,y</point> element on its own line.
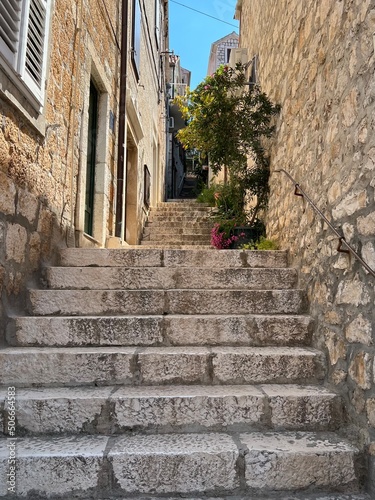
<point>219,240</point>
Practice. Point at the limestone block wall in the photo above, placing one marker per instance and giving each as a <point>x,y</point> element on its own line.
<point>42,153</point>
<point>316,59</point>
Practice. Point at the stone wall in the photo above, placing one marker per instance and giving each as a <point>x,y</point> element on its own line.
<point>316,59</point>
<point>41,152</point>
<point>219,51</point>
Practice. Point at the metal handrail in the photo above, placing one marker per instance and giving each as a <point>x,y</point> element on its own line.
<point>349,249</point>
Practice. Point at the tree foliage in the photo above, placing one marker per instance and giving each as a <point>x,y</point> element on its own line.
<point>228,120</point>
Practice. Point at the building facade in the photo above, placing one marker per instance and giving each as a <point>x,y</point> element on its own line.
<point>74,76</point>
<point>178,83</point>
<point>316,59</point>
<point>220,52</point>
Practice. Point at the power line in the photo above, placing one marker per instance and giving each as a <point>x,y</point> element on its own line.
<point>203,13</point>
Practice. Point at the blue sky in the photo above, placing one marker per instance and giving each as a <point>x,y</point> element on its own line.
<point>191,34</point>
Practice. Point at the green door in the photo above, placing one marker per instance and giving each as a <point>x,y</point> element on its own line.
<point>91,159</point>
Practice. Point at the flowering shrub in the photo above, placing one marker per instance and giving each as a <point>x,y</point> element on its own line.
<point>220,239</point>
<point>229,121</point>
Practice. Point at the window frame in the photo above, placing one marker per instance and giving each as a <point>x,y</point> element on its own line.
<point>30,39</point>
<point>136,37</point>
<point>157,22</point>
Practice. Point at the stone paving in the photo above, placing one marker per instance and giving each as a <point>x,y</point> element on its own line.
<point>203,384</point>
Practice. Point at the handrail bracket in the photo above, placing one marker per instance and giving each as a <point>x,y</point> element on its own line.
<point>340,248</point>
<point>297,191</point>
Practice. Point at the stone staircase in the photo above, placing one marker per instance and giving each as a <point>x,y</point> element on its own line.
<point>178,224</point>
<point>147,373</point>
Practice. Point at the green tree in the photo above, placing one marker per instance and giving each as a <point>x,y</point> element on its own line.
<point>229,121</point>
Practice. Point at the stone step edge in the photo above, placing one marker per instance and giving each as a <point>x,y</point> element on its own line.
<point>222,463</point>
<point>259,496</point>
<point>139,256</point>
<point>328,495</point>
<point>161,408</point>
<point>151,278</point>
<point>159,330</point>
<point>41,302</point>
<point>103,366</point>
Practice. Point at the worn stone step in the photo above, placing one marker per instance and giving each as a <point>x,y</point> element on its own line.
<point>64,366</point>
<point>108,278</point>
<point>175,239</point>
<point>179,330</point>
<point>175,246</point>
<point>173,409</point>
<point>260,496</point>
<point>182,240</point>
<point>181,210</point>
<point>185,219</point>
<point>168,230</point>
<point>96,466</point>
<point>153,257</point>
<point>297,461</point>
<point>181,202</point>
<point>183,233</point>
<point>188,204</point>
<point>146,302</point>
<point>171,226</point>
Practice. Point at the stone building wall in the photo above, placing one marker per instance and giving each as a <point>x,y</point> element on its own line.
<point>41,149</point>
<point>316,59</point>
<point>219,51</point>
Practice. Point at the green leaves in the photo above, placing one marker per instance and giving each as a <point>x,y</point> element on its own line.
<point>229,120</point>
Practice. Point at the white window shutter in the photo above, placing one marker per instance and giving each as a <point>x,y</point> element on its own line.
<point>35,41</point>
<point>33,56</point>
<point>10,19</point>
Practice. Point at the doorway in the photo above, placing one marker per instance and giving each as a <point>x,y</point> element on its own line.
<point>92,134</point>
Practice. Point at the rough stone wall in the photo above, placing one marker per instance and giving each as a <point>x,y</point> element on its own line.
<point>39,164</point>
<point>316,59</point>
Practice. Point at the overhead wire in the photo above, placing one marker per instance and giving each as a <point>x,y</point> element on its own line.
<point>203,13</point>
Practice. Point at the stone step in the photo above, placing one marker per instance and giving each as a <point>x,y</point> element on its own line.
<point>183,240</point>
<point>183,202</point>
<point>191,207</point>
<point>96,466</point>
<point>202,229</point>
<point>109,278</point>
<point>178,330</point>
<point>185,219</point>
<point>175,246</point>
<point>176,239</point>
<point>74,366</point>
<point>260,496</point>
<point>179,226</point>
<point>177,301</point>
<point>297,461</point>
<point>153,257</point>
<point>183,233</point>
<point>174,409</point>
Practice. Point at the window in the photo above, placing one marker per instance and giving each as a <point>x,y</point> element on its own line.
<point>157,22</point>
<point>23,43</point>
<point>136,37</point>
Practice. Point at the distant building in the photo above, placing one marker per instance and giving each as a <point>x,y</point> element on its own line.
<point>179,81</point>
<point>220,51</point>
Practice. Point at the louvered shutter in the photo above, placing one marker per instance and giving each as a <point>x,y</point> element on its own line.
<point>35,41</point>
<point>10,20</point>
<point>32,59</point>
